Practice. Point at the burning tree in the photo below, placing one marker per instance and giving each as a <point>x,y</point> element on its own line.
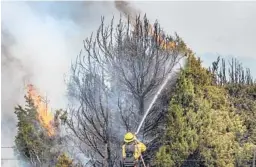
<point>114,81</point>
<point>36,137</point>
<point>44,115</point>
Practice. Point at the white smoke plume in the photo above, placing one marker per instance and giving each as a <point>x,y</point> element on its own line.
<point>127,9</point>
<point>39,40</point>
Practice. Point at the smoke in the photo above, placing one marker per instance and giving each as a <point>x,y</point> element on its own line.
<point>39,40</point>
<point>127,9</point>
<point>13,71</point>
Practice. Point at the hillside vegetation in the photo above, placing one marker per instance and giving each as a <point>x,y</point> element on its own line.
<point>211,118</point>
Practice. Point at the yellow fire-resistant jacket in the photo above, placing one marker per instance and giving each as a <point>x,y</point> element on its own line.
<point>139,148</point>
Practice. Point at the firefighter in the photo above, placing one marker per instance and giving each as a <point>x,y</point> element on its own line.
<point>132,150</point>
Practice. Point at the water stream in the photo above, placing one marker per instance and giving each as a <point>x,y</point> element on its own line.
<point>154,100</point>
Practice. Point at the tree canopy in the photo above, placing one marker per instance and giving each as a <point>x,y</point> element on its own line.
<point>203,126</point>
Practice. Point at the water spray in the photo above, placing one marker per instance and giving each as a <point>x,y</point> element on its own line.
<point>153,101</point>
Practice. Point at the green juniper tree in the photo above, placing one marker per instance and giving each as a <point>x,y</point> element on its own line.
<point>202,126</point>
<point>28,141</point>
<point>33,145</point>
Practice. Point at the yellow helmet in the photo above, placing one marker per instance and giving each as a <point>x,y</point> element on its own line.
<point>129,137</point>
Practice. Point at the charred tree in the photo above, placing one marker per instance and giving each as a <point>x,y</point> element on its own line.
<point>113,81</point>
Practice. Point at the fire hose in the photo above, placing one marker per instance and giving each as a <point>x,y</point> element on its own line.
<point>141,157</point>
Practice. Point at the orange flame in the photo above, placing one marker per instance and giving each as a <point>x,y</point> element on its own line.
<point>45,116</point>
<point>164,44</point>
<point>160,38</point>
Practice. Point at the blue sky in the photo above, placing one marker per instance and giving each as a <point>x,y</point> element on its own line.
<point>247,62</point>
<point>210,28</point>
